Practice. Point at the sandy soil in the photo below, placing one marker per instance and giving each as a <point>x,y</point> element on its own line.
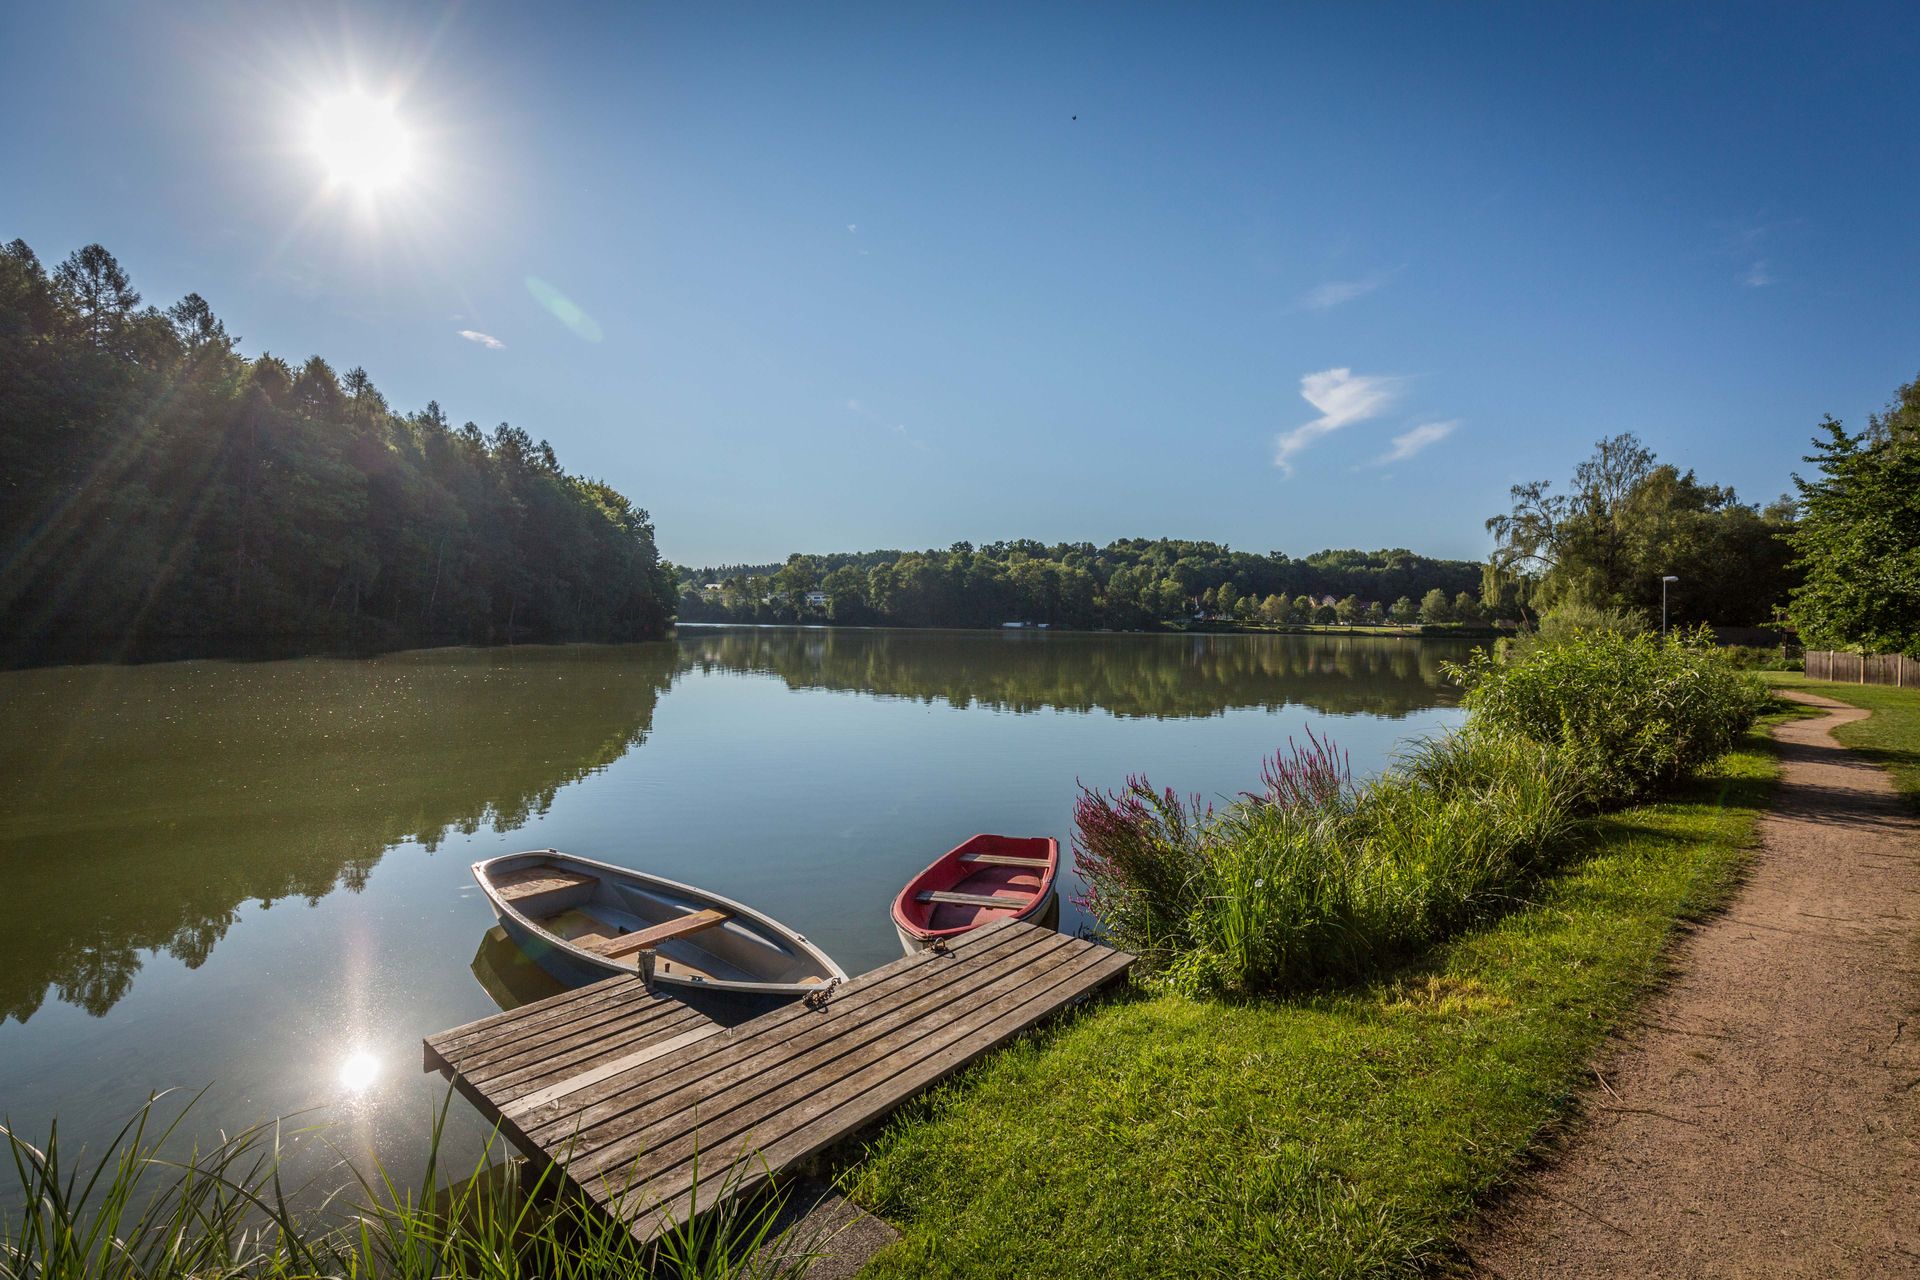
<point>1764,1117</point>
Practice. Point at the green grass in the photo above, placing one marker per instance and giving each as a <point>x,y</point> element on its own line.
<point>1339,1134</point>
<point>1890,737</point>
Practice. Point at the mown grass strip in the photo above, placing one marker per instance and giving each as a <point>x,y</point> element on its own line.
<point>1338,1134</point>
<point>1890,737</point>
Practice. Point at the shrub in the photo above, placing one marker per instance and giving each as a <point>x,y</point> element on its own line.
<point>1314,878</point>
<point>1778,657</point>
<point>1630,714</point>
<point>1565,621</point>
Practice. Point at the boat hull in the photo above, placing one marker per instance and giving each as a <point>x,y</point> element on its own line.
<point>960,891</point>
<point>560,909</point>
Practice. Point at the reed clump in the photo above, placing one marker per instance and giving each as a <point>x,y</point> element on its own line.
<point>145,1211</point>
<point>1316,878</point>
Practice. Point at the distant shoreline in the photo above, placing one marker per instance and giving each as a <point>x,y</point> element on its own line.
<point>1434,631</point>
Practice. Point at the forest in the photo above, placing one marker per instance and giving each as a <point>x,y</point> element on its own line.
<point>166,496</point>
<point>1131,584</point>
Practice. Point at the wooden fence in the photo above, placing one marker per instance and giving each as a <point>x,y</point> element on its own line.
<point>1864,668</point>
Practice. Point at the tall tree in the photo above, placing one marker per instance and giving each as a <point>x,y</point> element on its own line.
<point>1858,537</point>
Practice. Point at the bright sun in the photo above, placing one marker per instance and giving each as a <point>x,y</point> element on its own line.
<point>362,142</point>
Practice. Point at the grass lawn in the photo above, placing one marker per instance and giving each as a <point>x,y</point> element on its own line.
<point>1338,1134</point>
<point>1890,737</point>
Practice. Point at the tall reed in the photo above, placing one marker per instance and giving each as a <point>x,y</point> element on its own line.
<point>222,1213</point>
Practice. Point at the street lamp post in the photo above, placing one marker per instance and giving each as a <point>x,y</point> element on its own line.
<point>1663,602</point>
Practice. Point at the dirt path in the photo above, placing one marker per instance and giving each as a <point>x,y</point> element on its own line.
<point>1764,1118</point>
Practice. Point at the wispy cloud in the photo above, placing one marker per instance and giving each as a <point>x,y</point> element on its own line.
<point>1343,398</point>
<point>1335,292</point>
<point>853,228</point>
<point>486,340</point>
<point>1754,244</point>
<point>1412,441</point>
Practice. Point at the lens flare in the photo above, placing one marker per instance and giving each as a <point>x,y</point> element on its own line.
<point>362,142</point>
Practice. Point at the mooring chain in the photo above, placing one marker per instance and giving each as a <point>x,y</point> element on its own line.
<point>818,997</point>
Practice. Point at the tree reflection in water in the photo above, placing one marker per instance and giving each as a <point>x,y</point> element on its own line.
<point>142,806</point>
<point>1162,676</point>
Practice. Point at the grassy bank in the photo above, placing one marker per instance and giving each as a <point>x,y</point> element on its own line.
<point>1336,1134</point>
<point>1890,737</point>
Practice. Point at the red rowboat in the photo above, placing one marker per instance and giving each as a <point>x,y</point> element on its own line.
<point>986,879</point>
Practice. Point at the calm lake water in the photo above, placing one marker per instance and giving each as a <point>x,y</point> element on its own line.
<point>253,878</point>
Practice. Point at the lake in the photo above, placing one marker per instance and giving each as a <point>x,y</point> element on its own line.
<point>253,877</point>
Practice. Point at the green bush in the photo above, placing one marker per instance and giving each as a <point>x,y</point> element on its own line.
<point>1314,878</point>
<point>1778,657</point>
<point>1630,714</point>
<point>1565,621</point>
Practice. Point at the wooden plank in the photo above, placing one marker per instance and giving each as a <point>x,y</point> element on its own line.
<point>540,1013</point>
<point>1005,860</point>
<point>534,881</point>
<point>485,1064</point>
<point>972,899</point>
<point>588,1053</point>
<point>865,1095</point>
<point>649,938</point>
<point>778,1067</point>
<point>767,1044</point>
<point>626,1062</point>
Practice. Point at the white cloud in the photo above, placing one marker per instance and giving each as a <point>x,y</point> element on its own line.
<point>1410,442</point>
<point>1759,275</point>
<point>1342,399</point>
<point>1335,292</point>
<point>486,340</point>
<point>853,228</point>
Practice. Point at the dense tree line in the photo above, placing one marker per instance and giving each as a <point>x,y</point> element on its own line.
<point>1858,537</point>
<point>161,492</point>
<point>1135,583</point>
<point>1627,521</point>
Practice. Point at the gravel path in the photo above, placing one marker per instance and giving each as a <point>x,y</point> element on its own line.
<point>1764,1118</point>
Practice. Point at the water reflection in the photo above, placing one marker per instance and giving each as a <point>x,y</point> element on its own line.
<point>508,975</point>
<point>1158,676</point>
<point>141,806</point>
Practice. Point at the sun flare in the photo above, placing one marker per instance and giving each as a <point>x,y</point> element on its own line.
<point>359,1071</point>
<point>362,142</point>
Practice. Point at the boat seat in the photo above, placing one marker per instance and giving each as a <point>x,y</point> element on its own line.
<point>534,881</point>
<point>1004,860</point>
<point>971,899</point>
<point>649,938</point>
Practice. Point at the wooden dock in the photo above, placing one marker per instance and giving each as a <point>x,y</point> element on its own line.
<point>619,1086</point>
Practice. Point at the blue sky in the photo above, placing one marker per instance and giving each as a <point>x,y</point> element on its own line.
<point>842,277</point>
